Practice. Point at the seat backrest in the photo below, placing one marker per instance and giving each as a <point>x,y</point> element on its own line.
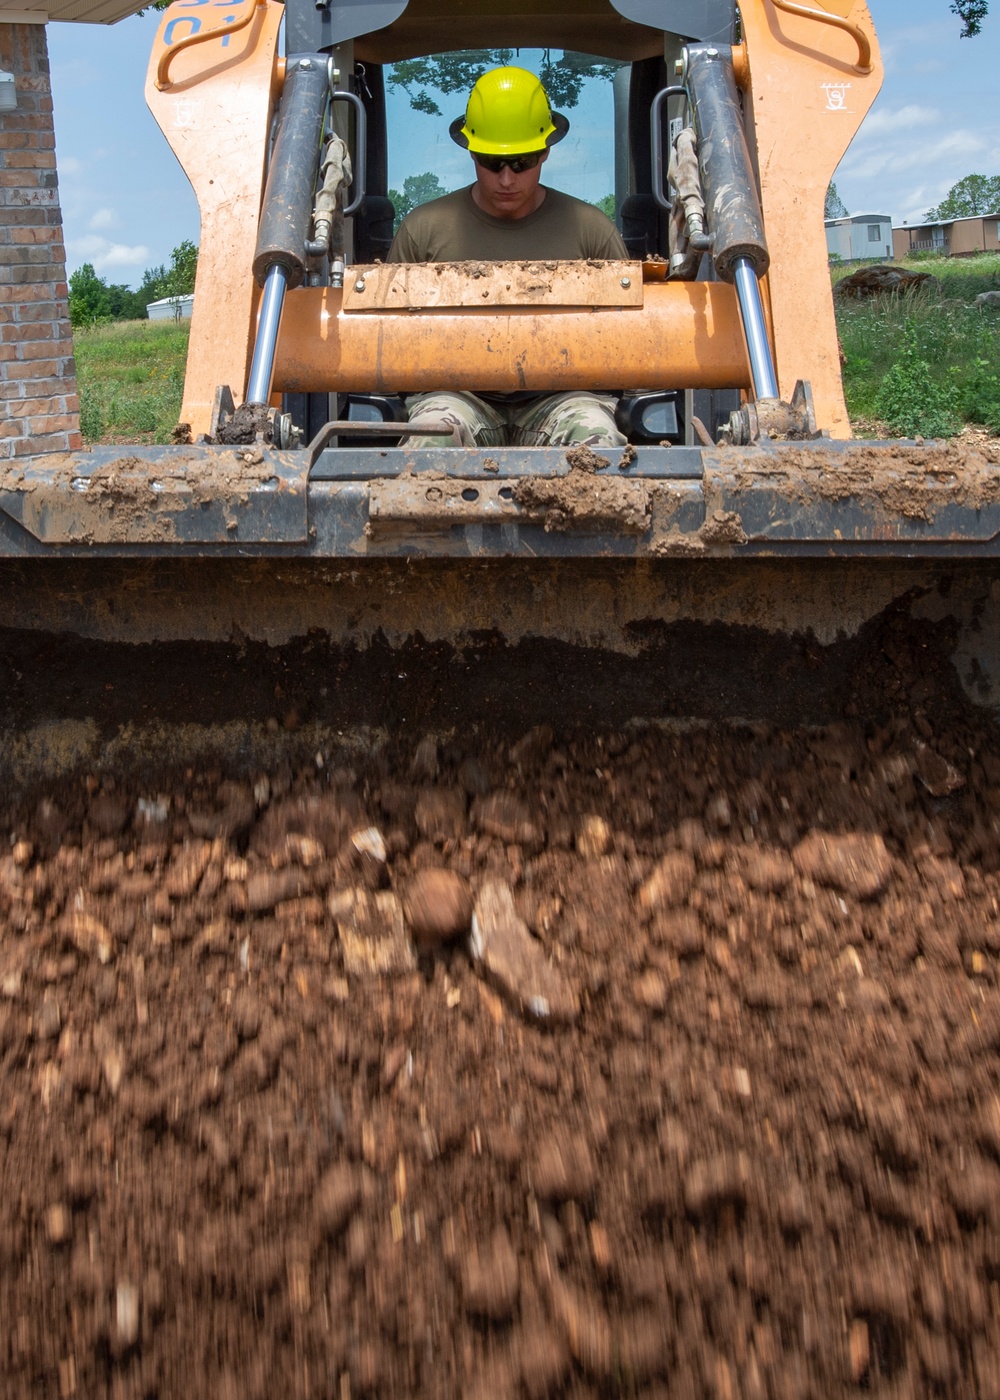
<point>640,225</point>
<point>373,229</point>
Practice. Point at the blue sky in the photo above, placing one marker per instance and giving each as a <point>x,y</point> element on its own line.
<point>126,203</point>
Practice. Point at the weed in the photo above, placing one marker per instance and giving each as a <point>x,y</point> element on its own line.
<point>910,402</point>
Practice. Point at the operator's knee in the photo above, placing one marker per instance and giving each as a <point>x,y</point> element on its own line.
<point>582,418</point>
<point>450,410</point>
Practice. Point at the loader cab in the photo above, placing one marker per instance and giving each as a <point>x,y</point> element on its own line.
<point>609,149</point>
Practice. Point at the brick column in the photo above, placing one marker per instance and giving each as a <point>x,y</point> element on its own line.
<point>39,408</point>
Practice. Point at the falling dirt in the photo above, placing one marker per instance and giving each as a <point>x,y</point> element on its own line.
<point>688,1085</point>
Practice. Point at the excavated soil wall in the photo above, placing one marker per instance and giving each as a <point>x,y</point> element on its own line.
<point>576,1058</point>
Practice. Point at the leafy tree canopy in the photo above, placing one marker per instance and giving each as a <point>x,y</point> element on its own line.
<point>976,194</point>
<point>417,189</point>
<point>450,73</point>
<point>88,297</point>
<point>835,206</point>
<point>971,13</point>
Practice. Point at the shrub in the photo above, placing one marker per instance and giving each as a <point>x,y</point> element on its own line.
<point>910,402</point>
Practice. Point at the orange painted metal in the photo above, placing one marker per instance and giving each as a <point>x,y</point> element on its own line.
<point>685,335</point>
<point>864,64</point>
<point>230,25</point>
<point>450,286</point>
<point>838,7</point>
<point>216,116</point>
<point>806,101</point>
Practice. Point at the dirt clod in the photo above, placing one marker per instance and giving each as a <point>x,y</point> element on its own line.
<point>438,906</point>
<point>490,1279</point>
<point>857,864</point>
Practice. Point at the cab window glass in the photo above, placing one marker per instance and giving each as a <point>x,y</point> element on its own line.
<point>424,95</point>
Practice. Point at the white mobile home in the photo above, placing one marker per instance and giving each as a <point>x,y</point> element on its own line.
<point>171,308</point>
<point>859,236</point>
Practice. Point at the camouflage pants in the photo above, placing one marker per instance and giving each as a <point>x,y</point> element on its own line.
<point>556,420</point>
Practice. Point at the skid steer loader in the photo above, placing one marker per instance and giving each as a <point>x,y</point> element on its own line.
<point>740,527</point>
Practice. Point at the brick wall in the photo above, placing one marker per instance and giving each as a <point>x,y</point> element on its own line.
<point>41,411</point>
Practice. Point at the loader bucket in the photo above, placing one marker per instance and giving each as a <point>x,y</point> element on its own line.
<point>513,587</point>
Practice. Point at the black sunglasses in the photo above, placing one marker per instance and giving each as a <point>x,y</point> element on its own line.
<point>516,163</point>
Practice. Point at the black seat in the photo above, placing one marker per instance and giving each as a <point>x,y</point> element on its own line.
<point>373,229</point>
<point>640,225</point>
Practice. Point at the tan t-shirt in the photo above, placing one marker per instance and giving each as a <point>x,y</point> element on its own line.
<point>454,228</point>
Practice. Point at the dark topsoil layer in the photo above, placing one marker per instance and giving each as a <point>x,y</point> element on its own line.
<point>759,1154</point>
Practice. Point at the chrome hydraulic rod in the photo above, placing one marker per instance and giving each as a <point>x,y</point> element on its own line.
<point>262,368</point>
<point>765,381</point>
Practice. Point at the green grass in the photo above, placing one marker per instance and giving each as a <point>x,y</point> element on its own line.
<point>130,376</point>
<point>945,352</point>
<point>944,356</point>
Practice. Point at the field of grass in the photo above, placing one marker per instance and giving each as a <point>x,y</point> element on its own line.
<point>946,353</point>
<point>927,363</point>
<point>130,376</point>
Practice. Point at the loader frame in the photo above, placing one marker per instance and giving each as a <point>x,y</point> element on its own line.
<point>215,84</point>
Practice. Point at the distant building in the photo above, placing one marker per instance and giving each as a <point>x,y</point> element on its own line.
<point>171,308</point>
<point>859,236</point>
<point>956,238</point>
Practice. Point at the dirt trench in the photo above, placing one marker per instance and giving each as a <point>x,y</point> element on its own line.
<point>690,1085</point>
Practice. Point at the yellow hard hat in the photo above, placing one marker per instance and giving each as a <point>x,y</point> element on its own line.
<point>508,115</point>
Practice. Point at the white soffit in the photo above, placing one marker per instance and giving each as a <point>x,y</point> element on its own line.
<point>75,11</point>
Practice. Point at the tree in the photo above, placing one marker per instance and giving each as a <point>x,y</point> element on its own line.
<point>449,73</point>
<point>976,194</point>
<point>124,303</point>
<point>835,206</point>
<point>417,189</point>
<point>177,280</point>
<point>607,206</point>
<point>182,271</point>
<point>88,297</point>
<point>971,13</point>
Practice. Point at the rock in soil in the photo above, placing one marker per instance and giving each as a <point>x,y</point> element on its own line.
<point>438,906</point>
<point>502,944</point>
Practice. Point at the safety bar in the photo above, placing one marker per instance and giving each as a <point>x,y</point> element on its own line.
<point>361,143</point>
<point>656,143</point>
<point>167,57</point>
<point>864,63</point>
<point>346,427</point>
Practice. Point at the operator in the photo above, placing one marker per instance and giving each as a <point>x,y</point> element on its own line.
<point>507,215</point>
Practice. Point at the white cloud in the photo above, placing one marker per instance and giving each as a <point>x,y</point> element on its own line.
<point>104,218</point>
<point>69,165</point>
<point>892,159</point>
<point>905,119</point>
<point>104,254</point>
